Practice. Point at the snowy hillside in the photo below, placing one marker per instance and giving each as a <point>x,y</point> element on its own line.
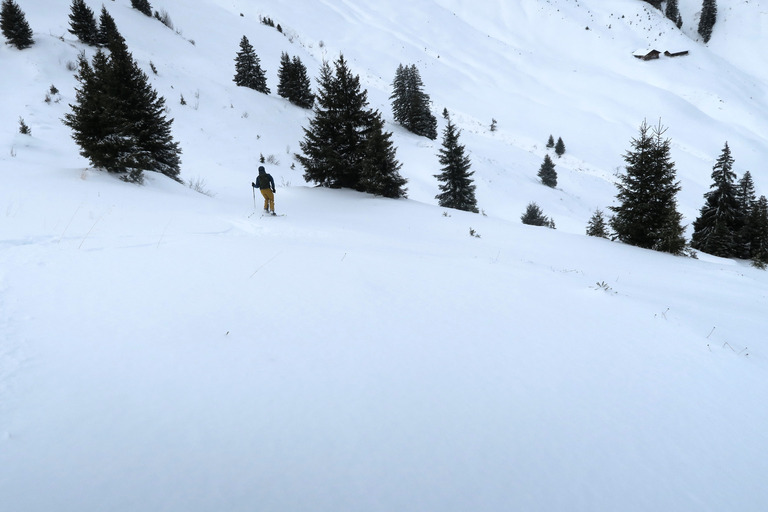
<point>162,349</point>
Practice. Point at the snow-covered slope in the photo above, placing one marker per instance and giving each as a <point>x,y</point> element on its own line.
<point>161,349</point>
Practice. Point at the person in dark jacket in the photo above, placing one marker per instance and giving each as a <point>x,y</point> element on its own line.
<point>266,184</point>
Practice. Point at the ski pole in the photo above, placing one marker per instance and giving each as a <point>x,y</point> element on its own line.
<point>253,189</point>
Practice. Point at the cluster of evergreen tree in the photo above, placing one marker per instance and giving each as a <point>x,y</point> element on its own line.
<point>647,215</point>
<point>672,12</point>
<point>457,189</point>
<point>410,104</point>
<point>118,120</point>
<point>14,26</point>
<point>345,145</point>
<point>293,82</point>
<point>142,6</point>
<point>732,223</point>
<point>558,146</point>
<point>708,19</point>
<point>248,71</point>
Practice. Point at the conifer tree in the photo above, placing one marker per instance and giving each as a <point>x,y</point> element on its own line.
<point>715,228</point>
<point>334,143</point>
<point>119,120</point>
<point>108,29</point>
<point>647,215</point>
<point>380,171</point>
<point>284,76</point>
<point>551,142</point>
<point>293,82</point>
<point>547,172</point>
<point>248,72</point>
<point>534,216</point>
<point>597,225</point>
<point>410,104</point>
<point>456,184</point>
<point>14,26</point>
<point>759,243</point>
<point>745,200</point>
<point>142,6</point>
<point>82,23</point>
<point>559,147</point>
<point>672,12</point>
<point>708,19</point>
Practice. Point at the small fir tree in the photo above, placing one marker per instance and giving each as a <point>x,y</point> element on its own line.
<point>551,142</point>
<point>597,225</point>
<point>14,25</point>
<point>708,19</point>
<point>23,128</point>
<point>647,213</point>
<point>547,172</point>
<point>82,23</point>
<point>559,147</point>
<point>142,6</point>
<point>534,216</point>
<point>457,189</point>
<point>248,72</point>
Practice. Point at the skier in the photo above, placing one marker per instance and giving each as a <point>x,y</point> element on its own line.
<point>266,184</point>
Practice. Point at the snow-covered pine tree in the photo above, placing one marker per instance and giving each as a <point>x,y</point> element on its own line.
<point>119,120</point>
<point>334,144</point>
<point>82,23</point>
<point>248,71</point>
<point>14,26</point>
<point>715,228</point>
<point>647,213</point>
<point>759,222</point>
<point>560,147</point>
<point>142,6</point>
<point>380,172</point>
<point>547,172</point>
<point>597,225</point>
<point>746,199</point>
<point>551,142</point>
<point>708,19</point>
<point>456,184</point>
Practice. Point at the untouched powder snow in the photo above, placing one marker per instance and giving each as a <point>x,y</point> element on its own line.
<point>162,349</point>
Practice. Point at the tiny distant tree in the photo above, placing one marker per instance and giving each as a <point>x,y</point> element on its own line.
<point>559,147</point>
<point>82,23</point>
<point>708,19</point>
<point>410,104</point>
<point>547,172</point>
<point>14,25</point>
<point>23,127</point>
<point>380,170</point>
<point>248,72</point>
<point>457,189</point>
<point>714,230</point>
<point>597,225</point>
<point>551,142</point>
<point>534,216</point>
<point>142,6</point>
<point>647,215</point>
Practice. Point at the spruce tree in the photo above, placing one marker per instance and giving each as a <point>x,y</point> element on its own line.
<point>597,225</point>
<point>14,25</point>
<point>456,184</point>
<point>745,200</point>
<point>82,23</point>
<point>547,172</point>
<point>284,76</point>
<point>142,6</point>
<point>119,120</point>
<point>551,142</point>
<point>559,147</point>
<point>672,12</point>
<point>708,19</point>
<point>715,228</point>
<point>248,72</point>
<point>759,243</point>
<point>108,29</point>
<point>410,104</point>
<point>534,216</point>
<point>293,82</point>
<point>647,215</point>
<point>380,170</point>
<point>334,143</point>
